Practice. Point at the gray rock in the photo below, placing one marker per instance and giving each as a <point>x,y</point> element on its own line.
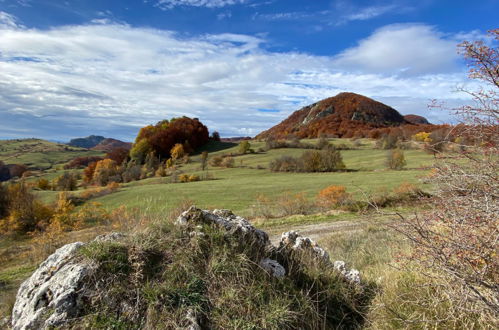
<point>273,267</point>
<point>227,220</point>
<point>53,293</point>
<point>294,241</point>
<point>50,296</point>
<point>351,275</point>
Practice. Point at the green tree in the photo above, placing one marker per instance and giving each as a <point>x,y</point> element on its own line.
<point>140,150</point>
<point>244,147</point>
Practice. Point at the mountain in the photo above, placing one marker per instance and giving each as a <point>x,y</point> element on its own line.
<point>416,120</point>
<point>111,144</point>
<point>87,142</point>
<point>340,116</point>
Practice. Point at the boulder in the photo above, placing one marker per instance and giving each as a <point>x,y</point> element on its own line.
<point>51,295</point>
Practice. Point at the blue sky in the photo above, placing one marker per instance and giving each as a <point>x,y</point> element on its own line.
<point>80,67</point>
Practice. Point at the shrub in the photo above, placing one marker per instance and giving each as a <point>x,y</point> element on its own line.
<point>194,177</point>
<point>177,151</point>
<point>119,155</point>
<point>216,161</point>
<point>422,137</point>
<point>327,160</point>
<point>81,162</point>
<point>286,164</point>
<point>395,159</point>
<point>66,182</point>
<point>25,212</point>
<point>43,184</point>
<point>88,172</point>
<point>333,196</point>
<point>183,178</point>
<point>228,162</point>
<point>105,172</point>
<point>244,147</point>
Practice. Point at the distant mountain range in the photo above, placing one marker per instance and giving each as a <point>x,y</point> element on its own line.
<point>339,116</point>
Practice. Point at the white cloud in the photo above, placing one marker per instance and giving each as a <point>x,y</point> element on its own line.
<point>170,4</point>
<point>8,21</point>
<point>411,49</point>
<point>111,79</point>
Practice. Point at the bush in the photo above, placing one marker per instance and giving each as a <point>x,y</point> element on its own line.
<point>43,184</point>
<point>183,178</point>
<point>395,159</point>
<point>194,177</point>
<point>65,182</point>
<point>25,213</point>
<point>244,147</point>
<point>216,161</point>
<point>333,196</point>
<point>106,171</point>
<point>81,162</point>
<point>228,162</point>
<point>328,160</point>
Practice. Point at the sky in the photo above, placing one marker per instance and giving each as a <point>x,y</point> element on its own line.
<point>108,67</point>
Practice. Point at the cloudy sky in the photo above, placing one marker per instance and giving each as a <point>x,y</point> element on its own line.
<point>80,67</point>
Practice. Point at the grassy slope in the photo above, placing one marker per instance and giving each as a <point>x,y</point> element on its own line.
<point>40,154</point>
<point>237,188</point>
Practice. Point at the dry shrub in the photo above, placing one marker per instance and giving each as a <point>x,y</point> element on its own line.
<point>43,184</point>
<point>395,159</point>
<point>333,196</point>
<point>456,241</point>
<point>281,206</point>
<point>100,191</point>
<point>194,177</point>
<point>183,178</point>
<point>228,162</point>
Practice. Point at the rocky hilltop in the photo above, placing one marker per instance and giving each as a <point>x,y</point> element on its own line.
<point>205,270</point>
<point>336,116</point>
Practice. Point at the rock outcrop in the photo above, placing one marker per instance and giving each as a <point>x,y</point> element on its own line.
<point>50,295</point>
<point>59,289</point>
<point>53,294</point>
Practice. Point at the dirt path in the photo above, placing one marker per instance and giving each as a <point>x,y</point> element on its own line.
<point>314,231</point>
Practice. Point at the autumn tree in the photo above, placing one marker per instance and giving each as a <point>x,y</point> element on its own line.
<point>177,151</point>
<point>105,171</point>
<point>119,155</point>
<point>456,242</point>
<point>163,136</point>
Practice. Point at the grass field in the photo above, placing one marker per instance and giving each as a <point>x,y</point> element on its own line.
<point>231,188</point>
<point>237,188</point>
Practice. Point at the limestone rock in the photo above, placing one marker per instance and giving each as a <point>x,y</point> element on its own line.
<point>225,219</point>
<point>273,267</point>
<point>293,240</point>
<point>51,295</point>
<point>352,275</point>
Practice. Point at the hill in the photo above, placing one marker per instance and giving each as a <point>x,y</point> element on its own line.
<point>111,144</point>
<point>337,116</point>
<point>416,120</point>
<point>87,142</point>
<point>39,154</point>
